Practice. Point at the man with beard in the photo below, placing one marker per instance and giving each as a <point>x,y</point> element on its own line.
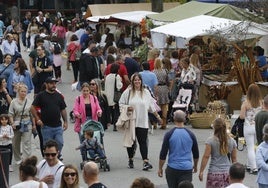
<point>41,69</point>
<point>52,107</point>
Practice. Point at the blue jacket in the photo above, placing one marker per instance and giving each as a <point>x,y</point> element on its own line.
<point>27,81</point>
<point>262,163</point>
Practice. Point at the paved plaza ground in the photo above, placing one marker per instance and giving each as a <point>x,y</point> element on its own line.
<point>120,176</point>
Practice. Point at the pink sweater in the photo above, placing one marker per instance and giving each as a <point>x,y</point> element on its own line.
<point>80,109</point>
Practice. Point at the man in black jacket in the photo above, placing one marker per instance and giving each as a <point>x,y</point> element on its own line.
<point>90,66</point>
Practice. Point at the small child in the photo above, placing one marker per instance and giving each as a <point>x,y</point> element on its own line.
<point>92,146</point>
<point>6,135</point>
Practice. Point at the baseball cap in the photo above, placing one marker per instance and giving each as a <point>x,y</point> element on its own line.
<point>51,79</point>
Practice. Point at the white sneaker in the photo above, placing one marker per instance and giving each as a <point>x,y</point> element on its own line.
<point>18,162</point>
<point>10,168</point>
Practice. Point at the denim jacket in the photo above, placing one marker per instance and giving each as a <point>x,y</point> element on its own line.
<point>262,163</point>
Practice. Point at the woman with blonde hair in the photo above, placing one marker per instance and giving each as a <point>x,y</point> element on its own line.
<point>250,107</point>
<point>222,150</point>
<point>162,90</point>
<point>70,177</point>
<point>23,124</point>
<point>96,90</point>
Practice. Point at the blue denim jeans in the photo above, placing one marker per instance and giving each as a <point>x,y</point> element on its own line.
<point>53,133</point>
<point>96,152</point>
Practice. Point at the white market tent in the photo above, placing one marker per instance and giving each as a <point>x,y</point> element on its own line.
<point>189,28</point>
<point>132,16</point>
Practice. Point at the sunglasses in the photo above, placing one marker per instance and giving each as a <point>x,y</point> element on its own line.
<point>50,154</point>
<point>92,84</point>
<point>69,174</point>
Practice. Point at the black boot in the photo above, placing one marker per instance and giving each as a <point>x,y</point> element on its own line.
<point>115,129</point>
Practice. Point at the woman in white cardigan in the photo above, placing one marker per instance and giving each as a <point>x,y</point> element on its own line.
<point>109,91</point>
<point>139,99</point>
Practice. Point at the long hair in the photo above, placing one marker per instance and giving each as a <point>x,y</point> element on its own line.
<point>254,95</point>
<point>219,126</point>
<point>76,182</point>
<point>99,87</point>
<point>1,81</point>
<point>22,66</point>
<point>133,89</point>
<point>158,64</point>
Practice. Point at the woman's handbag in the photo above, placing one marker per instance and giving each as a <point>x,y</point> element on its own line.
<point>238,128</point>
<point>23,125</point>
<point>117,93</point>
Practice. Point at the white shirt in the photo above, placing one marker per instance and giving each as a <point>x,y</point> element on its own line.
<point>43,169</point>
<point>29,184</point>
<point>6,130</point>
<point>109,87</point>
<point>237,185</point>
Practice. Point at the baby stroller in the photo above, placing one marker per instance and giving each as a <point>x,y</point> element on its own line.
<point>183,101</point>
<point>98,130</point>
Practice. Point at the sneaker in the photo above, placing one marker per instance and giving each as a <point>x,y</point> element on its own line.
<point>254,172</point>
<point>10,168</point>
<point>147,166</point>
<point>97,159</point>
<point>18,162</point>
<point>130,164</point>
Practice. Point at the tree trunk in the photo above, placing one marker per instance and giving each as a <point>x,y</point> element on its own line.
<point>157,5</point>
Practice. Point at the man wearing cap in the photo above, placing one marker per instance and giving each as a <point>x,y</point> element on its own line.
<point>90,66</point>
<point>53,107</point>
<point>179,143</point>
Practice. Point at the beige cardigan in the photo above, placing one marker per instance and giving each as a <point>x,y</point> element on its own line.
<point>126,122</point>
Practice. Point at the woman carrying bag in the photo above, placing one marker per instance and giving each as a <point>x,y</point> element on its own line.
<point>139,99</point>
<point>22,123</point>
<point>113,84</point>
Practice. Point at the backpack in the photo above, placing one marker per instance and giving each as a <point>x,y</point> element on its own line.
<point>57,48</point>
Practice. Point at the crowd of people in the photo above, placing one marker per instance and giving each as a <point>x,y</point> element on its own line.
<point>101,66</point>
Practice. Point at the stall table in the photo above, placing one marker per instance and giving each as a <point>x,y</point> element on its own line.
<point>234,97</point>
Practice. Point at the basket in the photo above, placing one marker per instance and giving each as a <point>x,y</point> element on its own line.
<point>203,120</point>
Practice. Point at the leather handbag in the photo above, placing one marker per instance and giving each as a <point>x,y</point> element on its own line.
<point>117,93</point>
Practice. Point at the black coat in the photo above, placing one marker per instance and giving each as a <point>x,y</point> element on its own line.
<point>88,68</point>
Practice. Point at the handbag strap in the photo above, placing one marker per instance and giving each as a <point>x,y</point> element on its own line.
<point>115,88</point>
<point>23,111</point>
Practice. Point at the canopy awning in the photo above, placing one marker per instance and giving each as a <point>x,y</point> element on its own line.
<point>205,25</point>
<point>132,16</point>
<point>108,9</point>
<point>195,8</point>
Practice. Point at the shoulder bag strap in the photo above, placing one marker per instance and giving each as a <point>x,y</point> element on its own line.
<point>23,111</point>
<point>115,88</point>
<point>5,68</point>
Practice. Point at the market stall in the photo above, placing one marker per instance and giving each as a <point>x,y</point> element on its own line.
<point>227,55</point>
